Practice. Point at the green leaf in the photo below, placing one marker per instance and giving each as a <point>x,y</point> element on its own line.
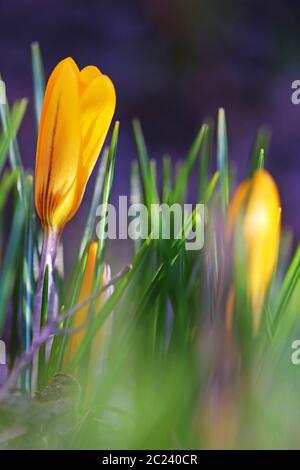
<point>135,194</point>
<point>167,179</point>
<point>285,312</point>
<point>14,335</point>
<point>107,189</point>
<point>184,172</point>
<point>153,174</point>
<point>90,224</point>
<point>8,271</point>
<point>205,162</point>
<point>222,158</point>
<point>38,80</point>
<point>44,314</point>
<point>262,143</point>
<point>286,290</point>
<point>11,123</point>
<point>28,276</point>
<point>211,187</point>
<point>8,181</point>
<point>150,193</point>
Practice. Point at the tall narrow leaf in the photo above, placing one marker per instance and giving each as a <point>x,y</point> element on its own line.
<point>222,158</point>
<point>38,80</point>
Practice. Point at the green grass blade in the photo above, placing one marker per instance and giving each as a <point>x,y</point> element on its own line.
<point>211,187</point>
<point>205,162</point>
<point>150,194</point>
<point>11,123</point>
<point>262,142</point>
<point>90,225</point>
<point>44,313</point>
<point>38,80</point>
<point>167,179</point>
<point>222,158</point>
<point>185,171</point>
<point>14,335</point>
<point>28,278</point>
<point>285,311</point>
<point>8,270</point>
<point>18,111</point>
<point>153,174</point>
<point>288,285</point>
<point>135,194</point>
<point>8,181</point>
<point>107,188</point>
<point>261,159</point>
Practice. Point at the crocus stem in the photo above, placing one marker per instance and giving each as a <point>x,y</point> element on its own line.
<point>50,241</point>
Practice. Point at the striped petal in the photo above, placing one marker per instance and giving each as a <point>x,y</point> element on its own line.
<point>59,145</point>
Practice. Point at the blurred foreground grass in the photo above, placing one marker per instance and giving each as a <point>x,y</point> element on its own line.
<point>166,377</point>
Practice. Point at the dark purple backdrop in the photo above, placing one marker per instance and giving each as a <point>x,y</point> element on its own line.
<point>173,63</point>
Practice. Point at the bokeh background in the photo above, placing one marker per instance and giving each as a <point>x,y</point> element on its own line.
<point>173,62</point>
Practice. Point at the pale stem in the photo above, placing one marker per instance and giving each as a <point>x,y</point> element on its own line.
<point>49,247</point>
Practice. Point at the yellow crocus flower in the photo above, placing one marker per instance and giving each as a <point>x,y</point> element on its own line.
<point>80,319</point>
<point>257,202</point>
<point>77,111</point>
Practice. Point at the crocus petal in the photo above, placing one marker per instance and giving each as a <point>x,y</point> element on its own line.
<point>257,204</point>
<point>262,234</point>
<point>97,106</point>
<point>87,75</point>
<point>77,111</point>
<point>59,144</point>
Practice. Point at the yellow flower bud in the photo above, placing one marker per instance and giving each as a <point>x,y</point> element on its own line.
<point>257,202</point>
<point>77,111</point>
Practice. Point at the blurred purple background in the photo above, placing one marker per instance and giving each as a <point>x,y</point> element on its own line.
<point>173,63</point>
